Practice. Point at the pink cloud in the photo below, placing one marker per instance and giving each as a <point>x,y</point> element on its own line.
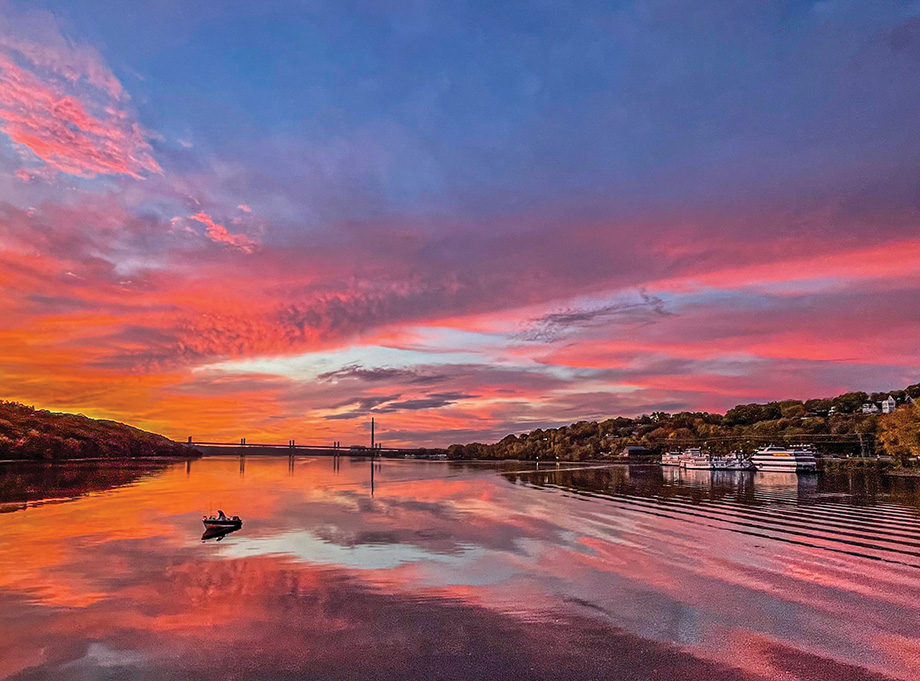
<point>36,37</point>
<point>893,259</point>
<point>62,104</point>
<point>217,232</point>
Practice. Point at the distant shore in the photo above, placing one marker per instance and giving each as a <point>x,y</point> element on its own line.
<point>827,465</point>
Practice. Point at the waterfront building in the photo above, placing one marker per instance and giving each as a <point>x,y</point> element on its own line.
<point>635,452</point>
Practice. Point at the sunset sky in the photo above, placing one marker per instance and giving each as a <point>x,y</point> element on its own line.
<point>274,220</point>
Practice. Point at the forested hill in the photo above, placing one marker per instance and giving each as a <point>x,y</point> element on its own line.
<point>835,425</point>
<point>28,433</point>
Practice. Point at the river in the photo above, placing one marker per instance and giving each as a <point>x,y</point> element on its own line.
<point>347,569</point>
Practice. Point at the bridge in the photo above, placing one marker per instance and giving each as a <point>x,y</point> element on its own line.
<point>291,448</point>
<point>244,448</point>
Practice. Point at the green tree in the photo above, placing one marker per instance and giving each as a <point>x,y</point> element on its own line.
<point>818,405</point>
<point>792,409</point>
<point>849,403</point>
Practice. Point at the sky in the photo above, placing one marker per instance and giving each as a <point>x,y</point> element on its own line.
<point>276,220</point>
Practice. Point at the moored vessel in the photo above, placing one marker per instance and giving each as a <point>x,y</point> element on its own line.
<point>672,458</point>
<point>695,458</point>
<point>788,459</point>
<point>731,462</point>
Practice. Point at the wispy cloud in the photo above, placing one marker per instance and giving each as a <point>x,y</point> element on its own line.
<point>60,102</point>
<point>217,232</point>
<point>390,375</point>
<point>555,325</point>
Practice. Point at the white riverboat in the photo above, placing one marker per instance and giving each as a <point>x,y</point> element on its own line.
<point>672,459</point>
<point>788,459</point>
<point>697,459</point>
<point>731,462</point>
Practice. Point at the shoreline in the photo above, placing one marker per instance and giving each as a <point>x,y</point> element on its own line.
<point>104,458</point>
<point>837,467</point>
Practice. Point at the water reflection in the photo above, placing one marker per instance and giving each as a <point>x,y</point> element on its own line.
<point>217,533</point>
<point>28,481</point>
<point>465,570</point>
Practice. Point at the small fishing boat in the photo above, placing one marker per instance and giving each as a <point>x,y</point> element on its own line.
<point>222,520</point>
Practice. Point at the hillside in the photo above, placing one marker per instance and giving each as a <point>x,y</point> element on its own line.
<point>836,426</point>
<point>28,433</point>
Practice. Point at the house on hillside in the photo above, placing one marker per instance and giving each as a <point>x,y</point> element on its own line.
<point>870,408</point>
<point>888,405</point>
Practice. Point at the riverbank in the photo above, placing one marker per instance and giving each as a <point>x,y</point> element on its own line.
<point>170,458</point>
<point>830,466</point>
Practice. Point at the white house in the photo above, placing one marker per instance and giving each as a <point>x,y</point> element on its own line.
<point>888,405</point>
<point>870,408</point>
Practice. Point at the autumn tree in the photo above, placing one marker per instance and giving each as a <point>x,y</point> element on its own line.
<point>899,432</point>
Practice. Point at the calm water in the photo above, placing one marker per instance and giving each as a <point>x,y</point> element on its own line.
<point>446,571</point>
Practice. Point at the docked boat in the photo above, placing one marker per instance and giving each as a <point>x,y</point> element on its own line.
<point>732,462</point>
<point>696,459</point>
<point>222,521</point>
<point>785,459</point>
<point>672,459</point>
